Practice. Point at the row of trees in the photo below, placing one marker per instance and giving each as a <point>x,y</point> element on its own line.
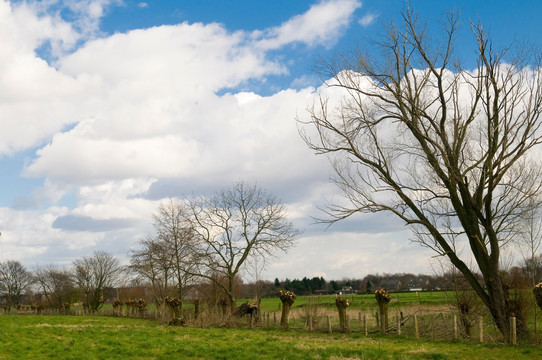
<point>368,283</point>
<point>59,287</point>
<point>523,275</point>
<point>304,286</point>
<point>196,243</point>
<point>210,239</point>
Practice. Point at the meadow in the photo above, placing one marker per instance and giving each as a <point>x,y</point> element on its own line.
<point>364,302</point>
<point>434,313</point>
<point>100,337</point>
<point>111,337</point>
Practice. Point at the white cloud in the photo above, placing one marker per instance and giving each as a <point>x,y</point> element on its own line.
<point>139,133</point>
<point>37,101</point>
<point>23,29</point>
<point>320,25</point>
<point>189,59</point>
<point>350,254</point>
<point>128,112</point>
<point>41,237</point>
<point>87,14</point>
<point>368,20</point>
<point>27,240</point>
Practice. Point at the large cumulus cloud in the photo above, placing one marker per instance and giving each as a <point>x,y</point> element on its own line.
<point>120,122</point>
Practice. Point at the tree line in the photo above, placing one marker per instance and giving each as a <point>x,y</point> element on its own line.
<point>445,280</point>
<point>200,245</point>
<point>95,279</point>
<point>59,287</point>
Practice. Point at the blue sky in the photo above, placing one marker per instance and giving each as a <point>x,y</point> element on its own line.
<point>110,106</point>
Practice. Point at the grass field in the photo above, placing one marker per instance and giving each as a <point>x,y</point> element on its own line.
<point>83,337</point>
<point>109,337</point>
<point>365,302</point>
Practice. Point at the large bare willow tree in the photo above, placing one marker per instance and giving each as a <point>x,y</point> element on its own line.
<point>448,151</point>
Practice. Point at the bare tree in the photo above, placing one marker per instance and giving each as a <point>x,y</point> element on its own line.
<point>446,150</point>
<point>93,274</point>
<point>231,226</point>
<point>151,263</point>
<point>165,259</point>
<point>14,281</point>
<point>56,284</point>
<point>177,240</point>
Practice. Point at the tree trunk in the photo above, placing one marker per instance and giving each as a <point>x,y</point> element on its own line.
<point>180,296</point>
<point>342,304</point>
<point>284,321</point>
<point>383,309</point>
<point>499,305</point>
<point>495,294</point>
<point>231,294</point>
<point>196,309</point>
<point>383,299</point>
<point>287,298</point>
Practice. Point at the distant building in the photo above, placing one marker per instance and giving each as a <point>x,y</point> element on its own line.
<point>346,290</point>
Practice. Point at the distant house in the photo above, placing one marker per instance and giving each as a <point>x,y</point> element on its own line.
<point>391,285</point>
<point>346,290</point>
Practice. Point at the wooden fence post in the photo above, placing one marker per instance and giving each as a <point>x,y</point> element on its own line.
<point>455,326</point>
<point>309,320</point>
<point>416,330</point>
<point>432,328</point>
<point>398,325</point>
<point>377,319</point>
<point>328,324</point>
<point>347,323</point>
<point>513,331</point>
<point>481,328</point>
<point>365,324</point>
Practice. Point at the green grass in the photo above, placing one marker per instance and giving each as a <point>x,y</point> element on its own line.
<point>364,301</point>
<point>69,337</point>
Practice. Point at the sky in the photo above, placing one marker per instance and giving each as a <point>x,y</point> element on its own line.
<point>108,107</point>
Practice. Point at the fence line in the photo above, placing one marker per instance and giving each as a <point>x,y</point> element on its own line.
<point>417,325</point>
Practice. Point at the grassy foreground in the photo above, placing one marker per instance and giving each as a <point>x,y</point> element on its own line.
<point>69,337</point>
